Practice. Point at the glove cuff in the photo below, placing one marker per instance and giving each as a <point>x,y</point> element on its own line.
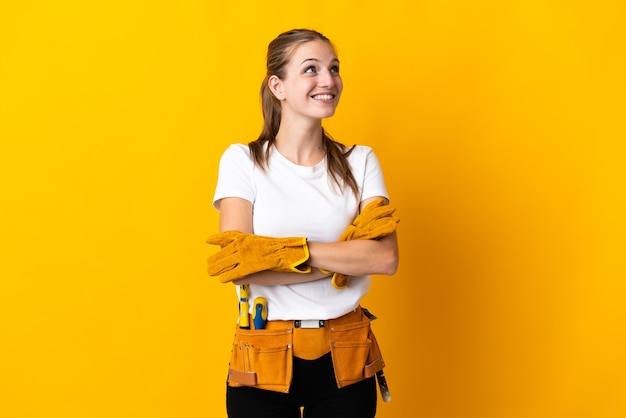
<point>340,281</point>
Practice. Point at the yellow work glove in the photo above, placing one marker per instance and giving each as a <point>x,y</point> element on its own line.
<point>374,222</point>
<point>244,254</point>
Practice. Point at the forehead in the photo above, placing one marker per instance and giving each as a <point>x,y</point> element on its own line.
<point>317,50</point>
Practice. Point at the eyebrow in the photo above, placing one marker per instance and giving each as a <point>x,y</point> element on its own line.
<point>316,60</point>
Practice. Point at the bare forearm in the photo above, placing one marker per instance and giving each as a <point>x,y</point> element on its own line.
<point>358,257</point>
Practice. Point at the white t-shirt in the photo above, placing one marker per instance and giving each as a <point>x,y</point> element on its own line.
<point>290,200</point>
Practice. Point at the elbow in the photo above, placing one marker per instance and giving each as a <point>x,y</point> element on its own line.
<point>390,267</point>
<point>390,262</point>
<point>394,266</point>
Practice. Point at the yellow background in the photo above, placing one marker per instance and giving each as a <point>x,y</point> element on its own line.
<point>500,127</point>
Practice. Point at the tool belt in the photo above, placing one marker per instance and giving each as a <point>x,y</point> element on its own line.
<point>264,358</point>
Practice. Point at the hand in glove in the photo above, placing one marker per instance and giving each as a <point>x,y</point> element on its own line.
<point>374,222</point>
<point>244,254</point>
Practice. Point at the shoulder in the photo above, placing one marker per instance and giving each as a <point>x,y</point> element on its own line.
<point>236,159</point>
<point>236,154</point>
<point>237,151</point>
<point>361,150</point>
<point>360,153</point>
<point>364,162</point>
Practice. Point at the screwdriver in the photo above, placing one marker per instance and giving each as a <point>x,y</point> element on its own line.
<point>259,317</point>
<point>244,317</point>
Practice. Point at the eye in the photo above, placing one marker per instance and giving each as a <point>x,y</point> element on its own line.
<point>311,69</point>
<point>334,69</point>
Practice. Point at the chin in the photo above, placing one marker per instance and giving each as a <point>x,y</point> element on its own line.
<point>327,114</point>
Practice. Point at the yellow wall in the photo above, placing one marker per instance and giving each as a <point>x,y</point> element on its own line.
<point>500,126</point>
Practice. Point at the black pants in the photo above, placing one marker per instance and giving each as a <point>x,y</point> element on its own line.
<point>314,388</point>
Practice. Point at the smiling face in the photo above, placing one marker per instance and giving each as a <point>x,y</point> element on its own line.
<point>312,85</point>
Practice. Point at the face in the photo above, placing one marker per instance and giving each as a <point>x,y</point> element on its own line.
<point>312,85</point>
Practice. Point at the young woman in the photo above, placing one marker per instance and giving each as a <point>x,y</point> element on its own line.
<point>305,221</point>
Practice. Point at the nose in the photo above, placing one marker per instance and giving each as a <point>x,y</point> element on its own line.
<point>326,79</point>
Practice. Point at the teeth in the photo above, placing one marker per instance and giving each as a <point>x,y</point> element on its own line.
<point>323,97</point>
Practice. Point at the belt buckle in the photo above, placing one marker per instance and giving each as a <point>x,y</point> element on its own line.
<point>309,323</point>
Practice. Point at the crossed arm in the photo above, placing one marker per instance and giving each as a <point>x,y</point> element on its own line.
<point>353,258</point>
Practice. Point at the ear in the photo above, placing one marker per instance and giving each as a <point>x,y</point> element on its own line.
<point>276,87</point>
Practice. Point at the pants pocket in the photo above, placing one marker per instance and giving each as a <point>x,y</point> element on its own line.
<point>263,359</point>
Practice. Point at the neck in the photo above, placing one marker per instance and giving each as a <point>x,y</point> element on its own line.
<point>302,145</point>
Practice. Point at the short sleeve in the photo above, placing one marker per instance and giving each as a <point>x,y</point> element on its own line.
<point>373,183</point>
<point>235,175</point>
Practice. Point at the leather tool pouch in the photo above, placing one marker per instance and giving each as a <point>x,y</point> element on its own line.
<point>355,351</point>
<point>262,358</point>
